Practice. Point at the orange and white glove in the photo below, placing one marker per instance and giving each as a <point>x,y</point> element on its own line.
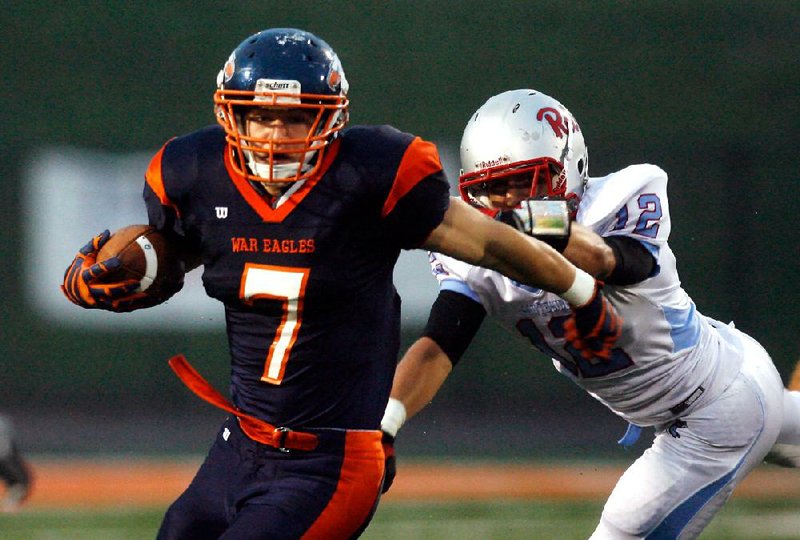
<point>594,327</point>
<point>82,281</point>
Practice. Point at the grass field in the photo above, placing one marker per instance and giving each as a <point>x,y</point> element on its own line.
<point>96,499</point>
<point>495,520</point>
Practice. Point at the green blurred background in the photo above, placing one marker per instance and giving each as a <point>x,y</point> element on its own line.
<point>707,90</point>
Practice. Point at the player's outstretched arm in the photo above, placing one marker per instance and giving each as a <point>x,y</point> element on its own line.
<point>453,322</point>
<point>588,251</point>
<point>472,237</point>
<point>419,375</point>
<point>617,259</point>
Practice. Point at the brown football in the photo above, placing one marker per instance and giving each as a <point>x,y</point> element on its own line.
<point>146,256</point>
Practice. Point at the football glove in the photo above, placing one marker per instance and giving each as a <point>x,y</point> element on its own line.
<point>594,328</point>
<point>390,463</point>
<point>82,287</point>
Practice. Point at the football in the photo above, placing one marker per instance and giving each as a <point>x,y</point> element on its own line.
<point>146,257</point>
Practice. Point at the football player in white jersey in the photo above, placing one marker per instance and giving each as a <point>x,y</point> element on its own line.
<point>711,392</point>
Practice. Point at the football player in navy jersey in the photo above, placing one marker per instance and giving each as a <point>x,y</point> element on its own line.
<point>298,224</point>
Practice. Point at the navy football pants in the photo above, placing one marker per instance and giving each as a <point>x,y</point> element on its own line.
<point>247,490</point>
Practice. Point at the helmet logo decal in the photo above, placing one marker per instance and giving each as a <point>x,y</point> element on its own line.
<point>229,68</point>
<point>553,117</point>
<point>269,86</point>
<point>336,79</point>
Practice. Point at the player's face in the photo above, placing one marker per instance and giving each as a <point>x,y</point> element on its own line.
<point>507,192</point>
<point>269,125</point>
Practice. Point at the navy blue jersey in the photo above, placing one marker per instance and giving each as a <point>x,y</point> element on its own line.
<point>312,315</point>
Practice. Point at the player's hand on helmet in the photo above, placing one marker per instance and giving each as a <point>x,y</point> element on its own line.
<point>83,281</point>
<point>594,328</point>
<point>390,463</point>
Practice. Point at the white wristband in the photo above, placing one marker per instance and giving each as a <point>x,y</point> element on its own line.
<point>581,290</point>
<point>394,417</point>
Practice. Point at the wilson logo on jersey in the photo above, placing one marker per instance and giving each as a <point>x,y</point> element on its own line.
<point>221,211</point>
<point>271,245</point>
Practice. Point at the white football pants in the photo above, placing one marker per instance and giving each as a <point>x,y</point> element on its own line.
<point>677,486</point>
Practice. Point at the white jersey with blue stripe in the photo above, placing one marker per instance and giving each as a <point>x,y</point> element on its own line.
<point>667,349</point>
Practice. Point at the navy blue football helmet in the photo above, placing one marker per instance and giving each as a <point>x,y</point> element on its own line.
<point>281,68</point>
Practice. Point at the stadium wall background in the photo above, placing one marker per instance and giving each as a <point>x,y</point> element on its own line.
<point>708,91</point>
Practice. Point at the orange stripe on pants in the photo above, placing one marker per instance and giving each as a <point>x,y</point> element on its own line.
<point>358,489</point>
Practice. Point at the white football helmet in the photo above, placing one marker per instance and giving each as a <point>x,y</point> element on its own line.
<point>523,131</point>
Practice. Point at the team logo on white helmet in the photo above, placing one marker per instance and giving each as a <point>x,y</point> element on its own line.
<point>520,132</point>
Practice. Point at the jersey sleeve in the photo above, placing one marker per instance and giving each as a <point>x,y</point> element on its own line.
<point>419,196</point>
<point>632,202</point>
<point>162,212</point>
<point>163,191</point>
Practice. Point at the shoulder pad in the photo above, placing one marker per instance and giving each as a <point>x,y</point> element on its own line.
<point>199,140</point>
<point>375,134</point>
<point>604,196</point>
<point>376,150</point>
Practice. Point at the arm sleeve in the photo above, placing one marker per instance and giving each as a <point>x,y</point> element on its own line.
<point>453,322</point>
<point>634,262</point>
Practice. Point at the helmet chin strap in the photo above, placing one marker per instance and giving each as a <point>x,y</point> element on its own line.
<point>278,171</point>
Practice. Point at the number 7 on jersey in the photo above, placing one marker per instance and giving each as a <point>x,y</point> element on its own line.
<point>287,285</point>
